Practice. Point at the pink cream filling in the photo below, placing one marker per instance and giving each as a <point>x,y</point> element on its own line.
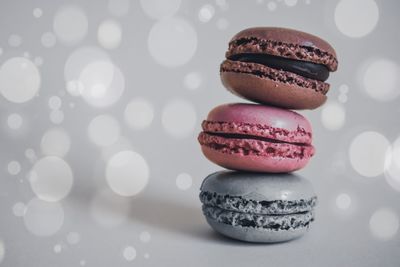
<point>255,147</point>
<point>300,136</point>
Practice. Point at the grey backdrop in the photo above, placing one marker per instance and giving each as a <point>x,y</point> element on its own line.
<point>163,225</point>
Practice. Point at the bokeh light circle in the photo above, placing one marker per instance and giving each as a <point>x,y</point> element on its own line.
<point>172,42</point>
<point>109,34</point>
<point>14,121</point>
<point>127,173</point>
<point>2,250</point>
<point>223,4</point>
<point>139,114</point>
<point>342,98</point>
<point>19,209</point>
<point>384,224</point>
<point>356,18</point>
<point>57,248</point>
<point>271,6</point>
<point>333,116</point>
<point>184,181</point>
<point>103,83</point>
<point>104,130</point>
<point>55,142</point>
<point>96,78</point>
<point>80,58</point>
<point>55,102</point>
<point>74,87</point>
<point>368,152</point>
<point>344,89</point>
<point>381,80</point>
<point>57,116</point>
<point>30,154</point>
<point>193,80</point>
<point>108,209</point>
<point>19,80</point>
<point>43,218</point>
<point>48,39</point>
<point>38,61</point>
<point>70,24</point>
<point>14,167</point>
<point>51,178</point>
<point>179,118</point>
<point>73,238</point>
<point>343,201</point>
<point>129,253</point>
<point>145,237</point>
<point>37,12</point>
<point>392,166</point>
<point>159,9</point>
<point>90,73</point>
<point>206,13</point>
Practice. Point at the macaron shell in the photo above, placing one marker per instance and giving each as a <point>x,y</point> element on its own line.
<point>256,235</point>
<point>254,163</point>
<point>286,35</point>
<point>259,114</point>
<point>287,43</point>
<point>259,186</point>
<point>269,92</point>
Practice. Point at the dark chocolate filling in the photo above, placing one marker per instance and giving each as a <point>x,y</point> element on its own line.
<point>306,69</point>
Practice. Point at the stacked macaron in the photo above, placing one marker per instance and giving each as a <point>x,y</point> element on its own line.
<point>261,200</point>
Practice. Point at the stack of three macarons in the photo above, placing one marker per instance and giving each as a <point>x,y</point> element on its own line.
<point>261,201</point>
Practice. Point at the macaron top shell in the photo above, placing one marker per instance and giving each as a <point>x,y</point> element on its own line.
<point>259,186</point>
<point>260,115</point>
<point>283,42</point>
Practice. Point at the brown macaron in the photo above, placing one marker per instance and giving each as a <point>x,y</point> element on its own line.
<point>278,66</point>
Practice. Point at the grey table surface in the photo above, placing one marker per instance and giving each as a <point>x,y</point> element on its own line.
<point>177,73</point>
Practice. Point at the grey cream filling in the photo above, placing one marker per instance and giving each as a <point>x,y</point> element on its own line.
<point>240,204</point>
<point>260,221</point>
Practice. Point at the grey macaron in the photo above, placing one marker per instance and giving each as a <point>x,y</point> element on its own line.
<point>258,207</point>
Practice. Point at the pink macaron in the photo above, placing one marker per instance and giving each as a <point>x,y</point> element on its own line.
<point>256,138</point>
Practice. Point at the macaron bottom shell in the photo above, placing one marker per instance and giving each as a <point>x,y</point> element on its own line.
<point>270,92</point>
<point>258,207</point>
<point>256,235</point>
<point>276,222</point>
<point>254,163</point>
